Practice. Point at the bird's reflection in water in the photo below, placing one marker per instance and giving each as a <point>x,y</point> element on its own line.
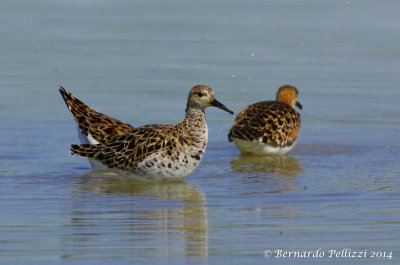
<point>271,164</point>
<point>153,219</point>
<point>273,174</point>
<point>278,171</point>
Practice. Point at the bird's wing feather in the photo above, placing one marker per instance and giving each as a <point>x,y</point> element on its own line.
<point>125,151</point>
<point>99,126</point>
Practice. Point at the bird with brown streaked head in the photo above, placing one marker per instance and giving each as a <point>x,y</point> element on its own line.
<point>149,152</point>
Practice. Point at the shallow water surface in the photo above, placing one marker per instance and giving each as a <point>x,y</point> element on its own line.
<point>338,188</point>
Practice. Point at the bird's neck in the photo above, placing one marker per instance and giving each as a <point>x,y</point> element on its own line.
<point>195,124</point>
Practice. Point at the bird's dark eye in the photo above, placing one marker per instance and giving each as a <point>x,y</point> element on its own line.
<point>200,94</point>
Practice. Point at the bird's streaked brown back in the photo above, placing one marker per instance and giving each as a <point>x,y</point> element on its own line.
<point>100,126</point>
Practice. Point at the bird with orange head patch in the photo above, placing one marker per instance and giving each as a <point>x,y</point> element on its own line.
<point>268,127</point>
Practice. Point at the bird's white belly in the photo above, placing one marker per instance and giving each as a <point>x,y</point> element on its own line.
<point>249,147</point>
<point>162,169</point>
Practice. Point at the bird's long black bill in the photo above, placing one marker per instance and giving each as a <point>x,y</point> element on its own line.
<point>298,104</point>
<point>219,105</point>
